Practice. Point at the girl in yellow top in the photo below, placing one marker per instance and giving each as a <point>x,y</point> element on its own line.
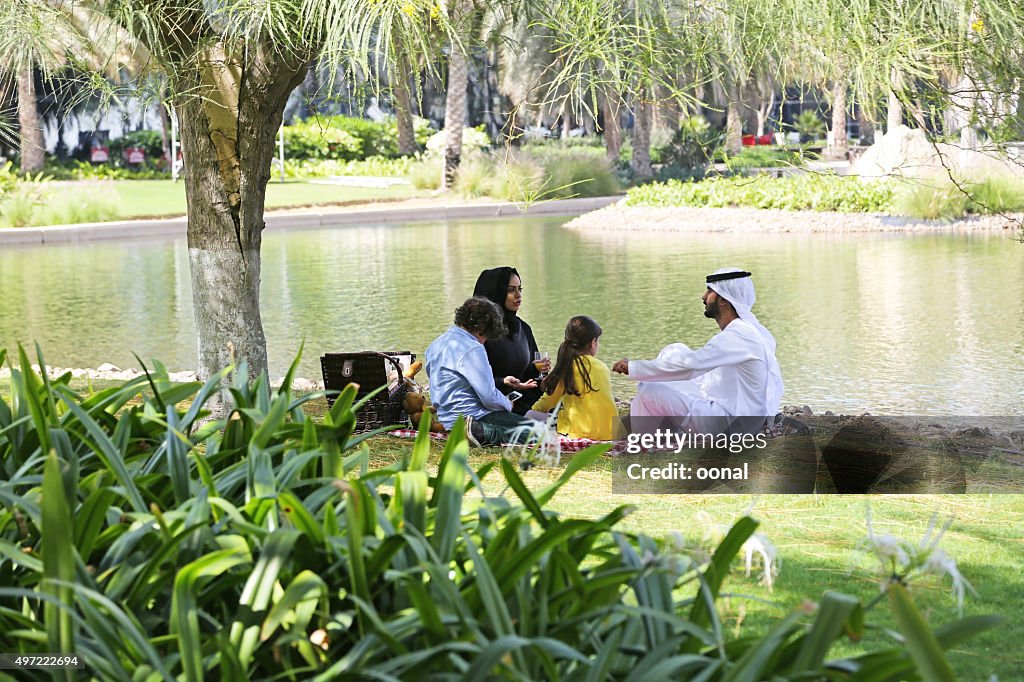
<point>582,383</point>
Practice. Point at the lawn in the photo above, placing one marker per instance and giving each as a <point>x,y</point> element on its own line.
<point>160,198</point>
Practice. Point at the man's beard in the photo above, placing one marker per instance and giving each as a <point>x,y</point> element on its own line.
<point>711,310</point>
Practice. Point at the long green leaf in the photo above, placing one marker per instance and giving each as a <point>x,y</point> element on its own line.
<point>58,556</point>
<point>185,606</point>
<point>258,590</point>
<point>89,520</point>
<point>306,588</point>
<point>300,517</point>
<point>918,636</point>
<point>421,447</point>
<point>289,377</point>
<point>31,386</point>
<point>109,453</point>
<point>833,612</point>
<point>580,460</point>
<point>448,493</point>
<point>411,495</point>
<point>515,481</point>
<point>176,447</point>
<point>700,613</point>
<point>755,664</point>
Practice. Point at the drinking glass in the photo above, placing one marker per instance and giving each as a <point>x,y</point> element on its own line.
<point>540,358</point>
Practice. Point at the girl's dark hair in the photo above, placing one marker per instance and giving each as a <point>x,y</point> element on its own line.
<point>580,331</point>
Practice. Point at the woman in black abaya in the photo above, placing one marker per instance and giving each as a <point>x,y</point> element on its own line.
<point>511,356</point>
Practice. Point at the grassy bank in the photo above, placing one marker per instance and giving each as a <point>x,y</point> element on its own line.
<point>929,199</point>
<point>111,200</point>
<point>166,198</point>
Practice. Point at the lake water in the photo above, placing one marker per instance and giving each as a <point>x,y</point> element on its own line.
<point>891,324</point>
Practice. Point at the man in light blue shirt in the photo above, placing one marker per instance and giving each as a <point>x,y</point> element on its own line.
<point>460,378</point>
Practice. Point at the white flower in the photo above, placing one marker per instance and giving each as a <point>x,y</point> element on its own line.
<point>941,564</point>
<point>536,444</point>
<point>887,548</point>
<point>902,560</point>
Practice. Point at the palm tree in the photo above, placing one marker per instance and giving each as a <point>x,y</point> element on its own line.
<point>455,96</point>
<point>32,152</point>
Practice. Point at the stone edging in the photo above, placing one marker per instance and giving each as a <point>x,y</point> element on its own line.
<point>753,220</point>
<point>176,227</point>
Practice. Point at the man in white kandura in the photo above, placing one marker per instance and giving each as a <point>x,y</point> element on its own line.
<point>733,383</point>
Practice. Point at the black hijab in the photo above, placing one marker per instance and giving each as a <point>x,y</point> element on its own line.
<point>493,284</point>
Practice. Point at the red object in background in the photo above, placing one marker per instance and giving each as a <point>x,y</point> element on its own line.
<point>765,139</point>
<point>134,155</point>
<point>99,154</point>
<point>748,141</point>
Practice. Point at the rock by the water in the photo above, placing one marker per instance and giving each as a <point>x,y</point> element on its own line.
<point>908,153</point>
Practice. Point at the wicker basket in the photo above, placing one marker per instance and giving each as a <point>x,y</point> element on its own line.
<point>370,370</point>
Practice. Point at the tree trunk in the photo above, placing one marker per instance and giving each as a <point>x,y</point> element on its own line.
<point>1020,108</point>
<point>229,119</point>
<point>454,114</point>
<point>733,128</point>
<point>894,117</point>
<point>733,119</point>
<point>612,128</point>
<point>403,110</point>
<point>867,129</point>
<point>764,109</point>
<point>32,151</point>
<point>641,160</point>
<point>840,147</point>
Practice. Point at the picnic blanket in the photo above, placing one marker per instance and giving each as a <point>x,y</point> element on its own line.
<point>566,444</point>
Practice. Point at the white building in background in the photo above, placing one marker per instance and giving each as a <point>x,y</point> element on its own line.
<point>117,119</point>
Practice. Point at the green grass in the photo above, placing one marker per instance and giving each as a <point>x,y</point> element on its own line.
<point>151,198</point>
<point>807,191</point>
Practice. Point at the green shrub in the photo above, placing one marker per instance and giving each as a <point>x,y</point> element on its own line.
<point>809,125</point>
<point>264,546</point>
<point>691,149</point>
<point>996,195</point>
<point>347,138</point>
<point>808,191</point>
<point>580,175</point>
<point>151,141</point>
<point>19,207</point>
<point>34,204</point>
<point>931,200</point>
<point>939,198</point>
<point>537,173</point>
<point>8,178</point>
<point>520,177</point>
<point>426,173</point>
<point>80,205</point>
<point>319,139</point>
<point>375,166</point>
<point>474,141</point>
<point>73,169</point>
<point>477,177</point>
<point>763,157</point>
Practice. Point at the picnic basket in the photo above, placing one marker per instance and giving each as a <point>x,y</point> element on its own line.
<point>370,370</point>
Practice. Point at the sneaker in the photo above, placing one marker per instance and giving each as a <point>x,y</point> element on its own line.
<point>470,436</point>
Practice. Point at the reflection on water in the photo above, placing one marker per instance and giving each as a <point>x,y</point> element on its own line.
<point>891,324</point>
